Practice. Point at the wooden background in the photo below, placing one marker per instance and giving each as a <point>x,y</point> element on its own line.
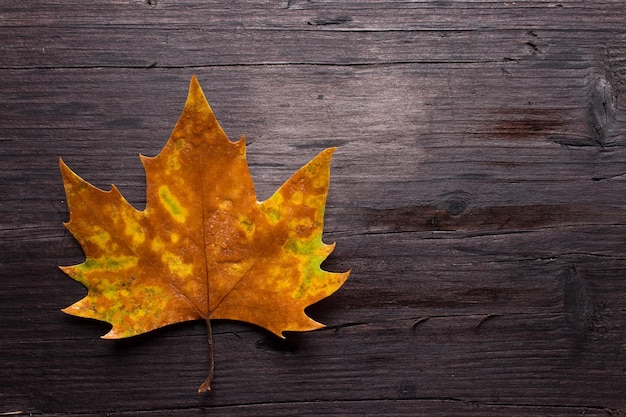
<point>477,194</point>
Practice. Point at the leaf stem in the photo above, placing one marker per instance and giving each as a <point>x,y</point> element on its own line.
<point>206,385</point>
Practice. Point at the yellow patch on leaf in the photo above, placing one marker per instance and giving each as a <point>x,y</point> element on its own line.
<point>204,247</point>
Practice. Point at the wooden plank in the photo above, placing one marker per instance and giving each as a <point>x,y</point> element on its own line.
<point>325,15</point>
<point>477,196</point>
<point>169,46</point>
<point>388,407</point>
<point>278,109</point>
<point>499,360</point>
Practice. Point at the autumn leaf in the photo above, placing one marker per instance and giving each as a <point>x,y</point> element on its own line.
<point>203,248</point>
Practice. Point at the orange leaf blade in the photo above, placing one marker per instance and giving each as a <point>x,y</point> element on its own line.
<point>204,247</point>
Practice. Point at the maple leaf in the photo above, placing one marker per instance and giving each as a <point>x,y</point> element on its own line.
<point>203,248</point>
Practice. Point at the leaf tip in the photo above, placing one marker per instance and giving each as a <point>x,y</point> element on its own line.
<point>72,311</point>
<point>68,270</point>
<point>194,87</point>
<point>327,153</point>
<point>65,170</point>
<point>114,334</point>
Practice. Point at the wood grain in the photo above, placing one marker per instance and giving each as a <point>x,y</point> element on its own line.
<point>477,194</point>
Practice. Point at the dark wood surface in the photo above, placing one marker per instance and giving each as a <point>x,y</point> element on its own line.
<point>477,194</point>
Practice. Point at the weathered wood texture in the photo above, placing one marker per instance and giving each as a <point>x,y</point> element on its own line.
<point>477,194</point>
